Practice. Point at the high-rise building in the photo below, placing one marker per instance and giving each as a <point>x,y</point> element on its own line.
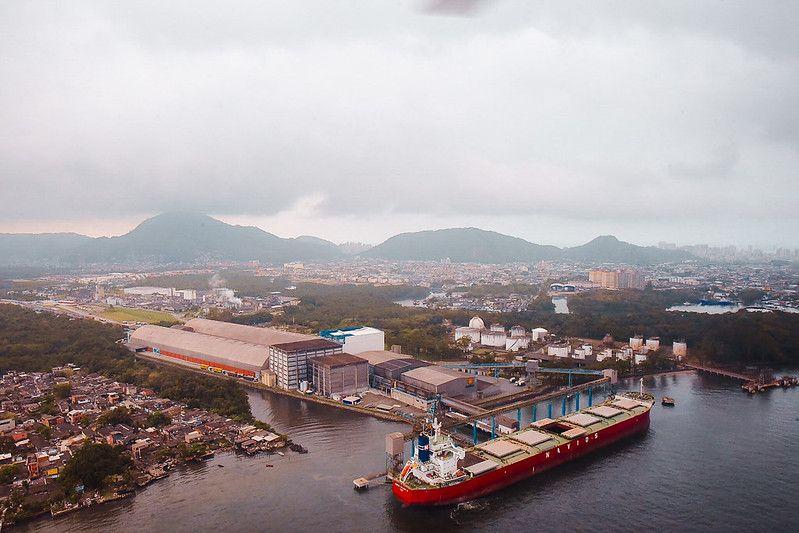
<point>290,360</point>
<point>617,279</point>
<point>631,279</point>
<point>607,279</point>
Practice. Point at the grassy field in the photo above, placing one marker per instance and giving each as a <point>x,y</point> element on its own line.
<point>129,314</point>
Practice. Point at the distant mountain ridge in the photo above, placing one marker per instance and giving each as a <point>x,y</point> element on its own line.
<point>173,238</point>
<point>481,246</point>
<point>609,249</point>
<point>462,245</point>
<point>190,238</point>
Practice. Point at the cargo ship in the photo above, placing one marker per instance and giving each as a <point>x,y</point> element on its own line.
<point>442,473</point>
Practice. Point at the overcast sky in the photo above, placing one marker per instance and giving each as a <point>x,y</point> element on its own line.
<point>552,121</point>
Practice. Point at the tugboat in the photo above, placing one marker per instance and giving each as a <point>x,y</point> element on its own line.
<point>668,401</point>
<point>442,473</point>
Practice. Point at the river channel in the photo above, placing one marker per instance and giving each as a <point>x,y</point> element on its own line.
<point>719,461</point>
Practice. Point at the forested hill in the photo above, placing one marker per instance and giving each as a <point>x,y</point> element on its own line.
<point>191,238</point>
<point>167,238</point>
<point>480,246</point>
<point>461,245</point>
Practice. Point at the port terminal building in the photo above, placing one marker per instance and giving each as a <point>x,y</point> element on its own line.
<point>356,339</point>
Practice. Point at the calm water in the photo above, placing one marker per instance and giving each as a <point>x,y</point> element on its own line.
<point>719,461</point>
<point>706,309</point>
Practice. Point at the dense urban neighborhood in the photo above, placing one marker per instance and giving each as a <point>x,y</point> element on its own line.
<point>71,439</point>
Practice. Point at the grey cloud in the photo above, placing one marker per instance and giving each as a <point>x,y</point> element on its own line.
<point>576,110</point>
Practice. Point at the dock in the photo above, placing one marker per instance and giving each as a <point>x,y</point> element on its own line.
<point>720,372</point>
<point>751,384</point>
<point>362,483</point>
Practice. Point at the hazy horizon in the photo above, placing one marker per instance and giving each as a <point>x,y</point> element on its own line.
<point>125,227</point>
<point>357,121</point>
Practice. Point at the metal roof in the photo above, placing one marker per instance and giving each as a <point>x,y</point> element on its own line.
<point>252,356</point>
<point>381,356</point>
<point>310,345</point>
<point>435,375</point>
<point>342,333</point>
<point>240,332</point>
<point>338,359</point>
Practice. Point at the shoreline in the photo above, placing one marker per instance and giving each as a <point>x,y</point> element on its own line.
<point>131,492</point>
<point>389,417</point>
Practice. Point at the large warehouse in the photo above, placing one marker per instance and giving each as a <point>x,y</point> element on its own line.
<point>390,365</point>
<point>339,373</point>
<point>439,380</point>
<point>197,349</point>
<point>240,332</point>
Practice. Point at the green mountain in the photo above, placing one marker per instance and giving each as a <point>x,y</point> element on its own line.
<point>190,238</point>
<point>609,249</point>
<point>461,245</point>
<point>480,246</point>
<point>165,238</point>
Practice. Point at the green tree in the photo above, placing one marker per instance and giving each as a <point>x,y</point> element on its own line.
<point>7,474</point>
<point>62,390</point>
<point>118,415</point>
<point>92,464</point>
<point>158,419</point>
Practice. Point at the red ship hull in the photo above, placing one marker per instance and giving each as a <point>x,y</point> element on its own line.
<point>513,473</point>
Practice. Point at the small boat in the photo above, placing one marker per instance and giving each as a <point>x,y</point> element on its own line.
<point>667,401</point>
<point>221,466</point>
<point>281,454</point>
<point>269,466</point>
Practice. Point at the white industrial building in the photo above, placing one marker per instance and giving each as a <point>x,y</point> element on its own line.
<point>539,334</point>
<point>607,353</point>
<point>558,350</point>
<point>471,333</point>
<point>493,338</point>
<point>149,291</point>
<point>496,336</point>
<point>514,344</point>
<point>358,339</point>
